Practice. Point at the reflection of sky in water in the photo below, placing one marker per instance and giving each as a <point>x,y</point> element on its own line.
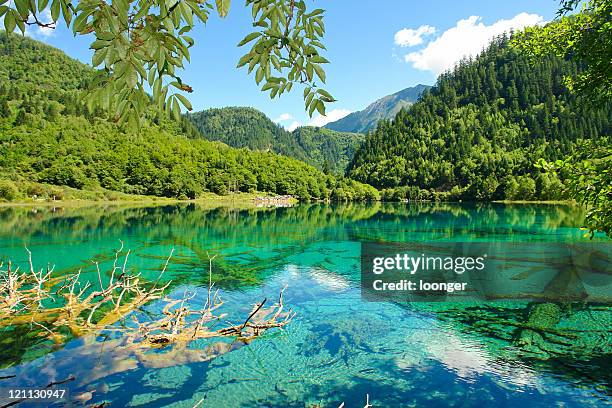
<point>338,348</point>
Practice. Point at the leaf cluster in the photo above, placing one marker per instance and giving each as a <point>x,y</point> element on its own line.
<point>286,49</point>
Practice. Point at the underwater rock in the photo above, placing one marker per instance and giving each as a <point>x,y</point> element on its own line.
<point>146,399</point>
<point>171,378</point>
<point>544,315</point>
<point>541,316</point>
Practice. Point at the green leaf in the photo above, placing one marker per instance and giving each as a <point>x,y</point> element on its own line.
<point>98,44</point>
<point>320,107</point>
<point>131,78</point>
<point>151,77</point>
<point>184,101</point>
<point>55,10</point>
<point>223,7</point>
<point>121,108</point>
<point>176,109</point>
<point>79,22</point>
<point>67,13</point>
<point>20,25</point>
<point>319,60</point>
<point>309,71</point>
<point>104,35</point>
<point>250,37</point>
<point>9,22</point>
<point>188,40</point>
<point>243,61</point>
<point>42,4</point>
<point>326,95</point>
<point>314,13</point>
<point>259,75</point>
<point>22,8</point>
<point>320,72</point>
<point>140,69</point>
<point>157,88</point>
<point>268,85</point>
<point>309,98</point>
<point>98,57</point>
<point>313,106</point>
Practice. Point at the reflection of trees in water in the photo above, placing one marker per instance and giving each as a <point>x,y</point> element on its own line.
<point>265,226</point>
<point>425,221</point>
<point>186,221</point>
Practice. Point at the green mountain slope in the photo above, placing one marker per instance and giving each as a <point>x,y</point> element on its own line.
<point>48,138</point>
<point>250,128</point>
<point>383,108</point>
<point>328,149</point>
<point>246,127</point>
<point>479,131</point>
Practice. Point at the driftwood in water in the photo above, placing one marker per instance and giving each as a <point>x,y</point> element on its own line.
<point>80,308</point>
<point>84,310</point>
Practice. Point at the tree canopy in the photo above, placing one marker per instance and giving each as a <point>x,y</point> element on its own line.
<point>585,37</point>
<point>139,46</point>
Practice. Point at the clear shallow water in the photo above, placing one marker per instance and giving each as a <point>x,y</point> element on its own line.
<point>338,349</point>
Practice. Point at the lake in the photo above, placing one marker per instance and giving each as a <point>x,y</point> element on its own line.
<point>339,347</point>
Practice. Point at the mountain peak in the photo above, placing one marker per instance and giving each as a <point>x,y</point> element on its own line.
<point>383,108</point>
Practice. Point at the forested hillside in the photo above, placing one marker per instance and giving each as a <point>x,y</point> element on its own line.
<point>331,151</point>
<point>478,133</point>
<point>384,108</point>
<point>49,138</point>
<point>248,127</point>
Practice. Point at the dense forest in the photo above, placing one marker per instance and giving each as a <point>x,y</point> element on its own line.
<point>48,138</point>
<point>478,134</point>
<point>248,127</point>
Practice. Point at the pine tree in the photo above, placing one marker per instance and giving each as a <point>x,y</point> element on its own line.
<point>5,110</point>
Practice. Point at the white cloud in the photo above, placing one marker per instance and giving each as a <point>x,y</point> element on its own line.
<point>283,117</point>
<point>332,116</point>
<point>409,37</point>
<point>468,38</point>
<point>293,125</point>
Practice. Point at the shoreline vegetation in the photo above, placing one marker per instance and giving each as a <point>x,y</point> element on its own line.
<point>239,199</point>
<point>234,199</point>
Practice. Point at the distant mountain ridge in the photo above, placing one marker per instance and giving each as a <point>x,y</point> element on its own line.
<point>383,108</point>
<point>245,127</point>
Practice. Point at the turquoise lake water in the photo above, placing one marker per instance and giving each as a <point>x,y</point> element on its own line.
<point>339,347</point>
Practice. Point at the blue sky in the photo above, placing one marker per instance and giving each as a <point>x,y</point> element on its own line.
<point>375,47</point>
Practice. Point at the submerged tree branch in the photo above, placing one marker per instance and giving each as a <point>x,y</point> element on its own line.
<point>84,309</point>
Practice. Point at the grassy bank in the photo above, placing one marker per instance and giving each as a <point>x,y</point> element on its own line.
<point>51,195</point>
